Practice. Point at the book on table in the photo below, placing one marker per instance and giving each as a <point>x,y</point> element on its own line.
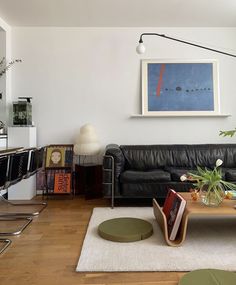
<point>173,209</point>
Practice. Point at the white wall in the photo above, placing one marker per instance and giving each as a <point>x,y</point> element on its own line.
<point>2,78</point>
<point>81,75</point>
<point>5,81</point>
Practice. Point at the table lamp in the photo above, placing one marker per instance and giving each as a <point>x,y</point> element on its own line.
<point>87,142</point>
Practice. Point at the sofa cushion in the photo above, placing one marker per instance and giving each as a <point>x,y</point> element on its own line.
<point>152,190</point>
<point>177,172</point>
<point>132,176</point>
<point>146,157</point>
<point>230,174</point>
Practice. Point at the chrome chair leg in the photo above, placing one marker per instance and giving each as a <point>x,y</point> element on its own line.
<point>43,204</point>
<point>6,242</point>
<point>17,231</point>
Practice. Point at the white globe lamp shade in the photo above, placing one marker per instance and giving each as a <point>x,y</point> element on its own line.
<point>140,49</point>
<point>87,142</point>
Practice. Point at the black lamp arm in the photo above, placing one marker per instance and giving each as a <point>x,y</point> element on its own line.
<point>184,42</point>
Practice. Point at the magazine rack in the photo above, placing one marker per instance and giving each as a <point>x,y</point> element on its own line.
<point>161,219</point>
<point>59,161</point>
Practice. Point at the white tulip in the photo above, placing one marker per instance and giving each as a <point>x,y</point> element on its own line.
<point>219,162</point>
<point>183,178</point>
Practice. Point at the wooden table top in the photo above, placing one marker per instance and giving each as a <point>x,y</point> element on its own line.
<point>197,207</point>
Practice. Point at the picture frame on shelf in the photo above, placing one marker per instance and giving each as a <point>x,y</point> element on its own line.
<point>55,156</point>
<point>180,87</point>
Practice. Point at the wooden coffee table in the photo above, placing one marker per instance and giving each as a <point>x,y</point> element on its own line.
<point>193,208</point>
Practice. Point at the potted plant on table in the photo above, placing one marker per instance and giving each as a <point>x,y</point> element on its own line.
<point>209,184</point>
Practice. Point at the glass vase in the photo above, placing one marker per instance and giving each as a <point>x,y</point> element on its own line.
<point>212,197</point>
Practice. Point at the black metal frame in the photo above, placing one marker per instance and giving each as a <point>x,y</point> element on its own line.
<point>10,216</point>
<point>22,173</point>
<point>184,42</point>
<point>26,163</point>
<point>67,169</point>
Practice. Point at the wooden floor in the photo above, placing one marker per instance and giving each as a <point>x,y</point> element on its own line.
<point>47,251</point>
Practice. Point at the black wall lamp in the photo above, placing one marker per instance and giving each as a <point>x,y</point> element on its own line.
<point>141,47</point>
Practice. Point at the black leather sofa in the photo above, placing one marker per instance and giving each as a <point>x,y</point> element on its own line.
<point>147,171</point>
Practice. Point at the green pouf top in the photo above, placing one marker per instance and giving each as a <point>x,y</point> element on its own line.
<point>208,277</point>
<point>125,229</point>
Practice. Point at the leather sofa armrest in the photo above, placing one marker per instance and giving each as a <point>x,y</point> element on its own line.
<point>114,151</point>
<point>113,165</point>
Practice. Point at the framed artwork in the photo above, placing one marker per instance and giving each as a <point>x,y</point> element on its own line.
<point>55,156</point>
<point>179,88</point>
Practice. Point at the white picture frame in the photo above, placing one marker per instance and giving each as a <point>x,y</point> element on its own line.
<point>180,88</point>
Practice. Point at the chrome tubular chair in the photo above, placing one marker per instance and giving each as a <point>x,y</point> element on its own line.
<point>6,243</point>
<point>9,216</point>
<point>23,165</point>
<point>3,169</point>
<point>35,164</point>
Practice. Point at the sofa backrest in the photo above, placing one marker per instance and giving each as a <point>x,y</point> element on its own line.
<point>145,157</point>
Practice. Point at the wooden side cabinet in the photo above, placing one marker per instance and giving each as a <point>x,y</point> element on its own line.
<point>88,180</point>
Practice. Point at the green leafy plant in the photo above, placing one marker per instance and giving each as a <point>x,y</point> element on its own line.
<point>4,66</point>
<point>209,181</point>
<point>230,133</point>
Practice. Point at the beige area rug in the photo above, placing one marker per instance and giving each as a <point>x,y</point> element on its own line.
<point>210,243</point>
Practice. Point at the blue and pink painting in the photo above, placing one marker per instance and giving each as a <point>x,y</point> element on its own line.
<point>180,87</point>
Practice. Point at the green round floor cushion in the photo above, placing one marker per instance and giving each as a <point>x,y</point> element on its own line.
<point>208,277</point>
<point>125,229</point>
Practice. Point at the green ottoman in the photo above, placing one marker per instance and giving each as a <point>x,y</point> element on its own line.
<point>125,229</point>
<point>208,277</point>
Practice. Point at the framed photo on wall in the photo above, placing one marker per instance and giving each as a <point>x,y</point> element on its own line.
<point>180,87</point>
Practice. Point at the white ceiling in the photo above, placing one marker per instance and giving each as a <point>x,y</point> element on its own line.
<point>119,13</point>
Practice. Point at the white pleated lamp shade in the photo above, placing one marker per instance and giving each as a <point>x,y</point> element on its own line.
<point>87,142</point>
